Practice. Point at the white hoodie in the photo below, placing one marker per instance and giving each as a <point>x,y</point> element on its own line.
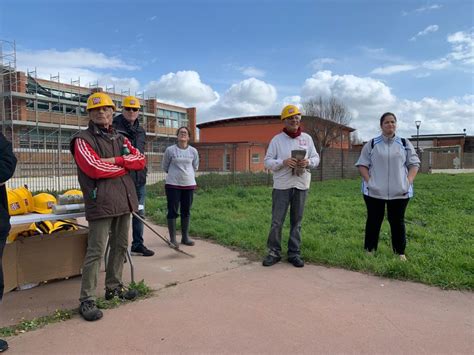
<point>280,149</point>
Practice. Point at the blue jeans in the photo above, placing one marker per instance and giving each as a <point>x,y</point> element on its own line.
<point>137,226</point>
<point>281,200</point>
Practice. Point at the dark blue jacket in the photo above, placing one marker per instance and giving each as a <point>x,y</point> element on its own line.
<point>7,168</point>
<point>136,134</point>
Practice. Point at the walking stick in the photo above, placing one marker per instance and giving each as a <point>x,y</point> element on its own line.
<point>171,245</point>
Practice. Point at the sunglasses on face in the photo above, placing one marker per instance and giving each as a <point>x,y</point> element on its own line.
<point>131,109</point>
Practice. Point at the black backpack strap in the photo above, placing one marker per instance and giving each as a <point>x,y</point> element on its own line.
<point>372,143</point>
<point>404,142</point>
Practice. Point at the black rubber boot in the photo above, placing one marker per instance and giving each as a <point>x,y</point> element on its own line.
<point>185,231</point>
<point>172,231</point>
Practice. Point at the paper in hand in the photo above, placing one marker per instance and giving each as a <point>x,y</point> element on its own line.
<point>299,155</point>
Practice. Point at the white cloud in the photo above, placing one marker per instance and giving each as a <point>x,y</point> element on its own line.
<point>319,63</point>
<point>462,47</point>
<point>74,58</point>
<point>436,64</point>
<point>423,9</point>
<point>77,64</point>
<point>461,55</point>
<point>367,98</point>
<point>252,72</point>
<point>392,69</point>
<point>291,100</point>
<point>184,88</point>
<point>427,8</point>
<point>119,85</point>
<point>427,30</point>
<point>349,88</point>
<point>248,97</point>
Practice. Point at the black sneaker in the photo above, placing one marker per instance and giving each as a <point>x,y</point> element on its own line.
<point>296,261</point>
<point>271,260</point>
<point>121,292</point>
<point>3,345</point>
<point>89,311</point>
<point>142,251</point>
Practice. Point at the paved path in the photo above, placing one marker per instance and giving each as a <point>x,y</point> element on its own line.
<point>222,303</point>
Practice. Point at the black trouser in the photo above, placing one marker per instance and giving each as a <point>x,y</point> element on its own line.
<point>396,218</point>
<point>3,239</point>
<point>179,199</point>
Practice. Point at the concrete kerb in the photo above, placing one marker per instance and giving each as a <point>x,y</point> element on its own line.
<point>225,304</point>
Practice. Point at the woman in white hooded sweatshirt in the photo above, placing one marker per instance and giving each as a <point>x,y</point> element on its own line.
<point>388,165</point>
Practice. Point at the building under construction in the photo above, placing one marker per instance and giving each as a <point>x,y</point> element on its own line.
<point>40,116</point>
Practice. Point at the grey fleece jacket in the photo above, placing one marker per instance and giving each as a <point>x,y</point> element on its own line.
<point>388,163</point>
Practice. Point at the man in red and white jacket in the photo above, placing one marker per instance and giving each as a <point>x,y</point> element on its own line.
<point>103,159</point>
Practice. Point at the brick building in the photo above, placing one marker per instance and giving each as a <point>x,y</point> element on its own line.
<point>239,143</point>
<point>40,117</point>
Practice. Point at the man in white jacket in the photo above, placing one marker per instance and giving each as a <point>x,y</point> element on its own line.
<point>289,156</point>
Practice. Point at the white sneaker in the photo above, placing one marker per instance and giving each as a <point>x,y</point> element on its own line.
<point>402,257</point>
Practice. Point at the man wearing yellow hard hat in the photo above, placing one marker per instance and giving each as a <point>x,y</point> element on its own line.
<point>127,124</point>
<point>7,168</point>
<point>289,156</point>
<point>104,159</point>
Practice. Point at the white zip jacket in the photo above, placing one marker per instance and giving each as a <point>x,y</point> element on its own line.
<point>280,149</point>
<point>388,163</point>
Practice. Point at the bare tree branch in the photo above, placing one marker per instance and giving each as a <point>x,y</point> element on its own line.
<point>327,131</point>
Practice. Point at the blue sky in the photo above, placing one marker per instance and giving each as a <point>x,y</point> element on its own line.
<point>231,58</point>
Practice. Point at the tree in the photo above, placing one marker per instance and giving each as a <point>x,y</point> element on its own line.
<point>326,131</point>
<point>355,139</point>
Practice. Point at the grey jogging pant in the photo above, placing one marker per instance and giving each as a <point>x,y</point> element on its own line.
<point>281,199</point>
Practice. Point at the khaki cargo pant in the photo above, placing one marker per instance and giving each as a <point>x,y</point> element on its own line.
<point>96,244</point>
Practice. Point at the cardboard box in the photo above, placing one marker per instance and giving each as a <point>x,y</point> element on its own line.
<point>45,257</point>
<point>10,271</point>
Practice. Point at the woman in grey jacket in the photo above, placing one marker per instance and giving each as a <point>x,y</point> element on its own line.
<point>388,165</point>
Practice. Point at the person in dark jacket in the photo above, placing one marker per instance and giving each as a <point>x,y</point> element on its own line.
<point>104,159</point>
<point>7,168</point>
<point>128,125</point>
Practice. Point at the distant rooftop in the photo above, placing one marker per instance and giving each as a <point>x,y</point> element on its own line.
<point>441,135</point>
<point>256,118</point>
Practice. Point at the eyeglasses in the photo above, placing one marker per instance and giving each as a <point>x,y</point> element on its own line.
<point>131,109</point>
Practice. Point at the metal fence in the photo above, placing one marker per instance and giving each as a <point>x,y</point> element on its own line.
<point>445,158</point>
<point>55,169</point>
<point>220,164</point>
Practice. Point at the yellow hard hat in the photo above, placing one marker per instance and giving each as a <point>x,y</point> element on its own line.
<point>289,110</point>
<point>99,99</point>
<point>44,203</point>
<point>27,196</point>
<point>131,101</point>
<point>16,203</point>
<point>73,192</point>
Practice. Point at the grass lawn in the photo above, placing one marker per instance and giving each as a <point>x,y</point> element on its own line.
<point>440,227</point>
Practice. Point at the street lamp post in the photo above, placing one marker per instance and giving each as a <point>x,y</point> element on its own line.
<point>418,124</point>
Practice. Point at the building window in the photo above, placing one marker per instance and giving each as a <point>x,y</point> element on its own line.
<point>227,162</point>
<point>255,158</point>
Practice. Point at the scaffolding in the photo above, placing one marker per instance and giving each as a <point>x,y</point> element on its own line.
<point>9,108</point>
<point>40,115</point>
